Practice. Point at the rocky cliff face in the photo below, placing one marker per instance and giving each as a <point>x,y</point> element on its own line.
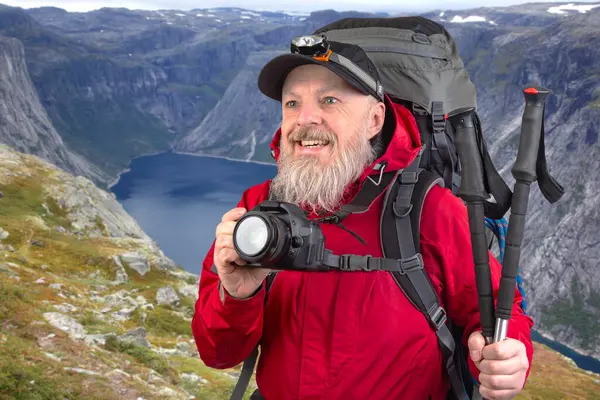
<point>560,253</point>
<point>90,307</point>
<point>242,123</point>
<point>96,101</point>
<point>25,124</point>
<point>118,84</point>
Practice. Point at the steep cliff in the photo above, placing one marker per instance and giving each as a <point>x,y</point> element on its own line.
<point>94,100</point>
<point>24,122</point>
<point>118,83</point>
<point>560,251</point>
<point>242,123</point>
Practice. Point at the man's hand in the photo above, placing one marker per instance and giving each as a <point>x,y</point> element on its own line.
<point>239,281</point>
<point>503,366</point>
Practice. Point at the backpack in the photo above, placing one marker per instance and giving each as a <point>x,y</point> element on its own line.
<point>420,68</point>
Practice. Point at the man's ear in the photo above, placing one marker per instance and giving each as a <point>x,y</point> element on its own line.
<point>376,118</point>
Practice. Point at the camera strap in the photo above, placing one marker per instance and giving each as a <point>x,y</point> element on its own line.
<point>352,262</point>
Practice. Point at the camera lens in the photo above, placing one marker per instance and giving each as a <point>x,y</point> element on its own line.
<point>261,238</point>
<point>252,235</point>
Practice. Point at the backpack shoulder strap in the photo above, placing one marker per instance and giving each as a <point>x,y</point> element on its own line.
<point>400,239</point>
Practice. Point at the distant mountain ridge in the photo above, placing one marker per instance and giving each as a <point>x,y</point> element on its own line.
<point>116,84</point>
<point>119,84</point>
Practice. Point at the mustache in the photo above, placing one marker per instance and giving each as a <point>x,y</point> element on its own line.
<point>311,133</point>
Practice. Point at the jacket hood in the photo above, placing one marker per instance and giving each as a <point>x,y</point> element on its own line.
<point>401,137</point>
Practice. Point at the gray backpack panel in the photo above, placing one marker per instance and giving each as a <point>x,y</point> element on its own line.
<point>417,59</point>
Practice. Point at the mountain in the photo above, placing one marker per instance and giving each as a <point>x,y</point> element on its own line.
<point>90,307</point>
<point>95,100</point>
<point>257,122</point>
<point>116,84</point>
<point>560,253</point>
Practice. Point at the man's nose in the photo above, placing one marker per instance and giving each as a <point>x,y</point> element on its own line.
<point>310,113</point>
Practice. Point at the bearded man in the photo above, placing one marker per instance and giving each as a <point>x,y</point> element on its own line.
<point>340,335</point>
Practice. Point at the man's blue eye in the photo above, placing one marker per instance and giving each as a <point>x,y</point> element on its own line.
<point>330,100</point>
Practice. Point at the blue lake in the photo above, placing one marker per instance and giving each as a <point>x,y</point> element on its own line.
<point>179,200</point>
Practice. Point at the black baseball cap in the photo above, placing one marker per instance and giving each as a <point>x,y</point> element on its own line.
<point>349,61</point>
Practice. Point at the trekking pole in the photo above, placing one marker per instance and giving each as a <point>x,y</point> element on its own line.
<point>472,191</point>
<point>524,172</point>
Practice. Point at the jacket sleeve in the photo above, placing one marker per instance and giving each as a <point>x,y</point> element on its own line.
<point>447,245</point>
<point>227,330</point>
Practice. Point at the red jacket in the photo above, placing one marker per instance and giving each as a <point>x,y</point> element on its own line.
<point>353,335</point>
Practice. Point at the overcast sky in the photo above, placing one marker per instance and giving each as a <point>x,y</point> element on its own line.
<point>270,5</point>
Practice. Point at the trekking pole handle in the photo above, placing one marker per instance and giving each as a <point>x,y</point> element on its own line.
<point>471,166</point>
<point>531,130</point>
<point>524,172</point>
<point>472,191</point>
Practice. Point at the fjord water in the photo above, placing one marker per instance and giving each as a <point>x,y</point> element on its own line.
<point>178,200</point>
<point>583,362</point>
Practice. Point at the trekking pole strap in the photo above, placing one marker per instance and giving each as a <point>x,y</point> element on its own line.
<point>549,186</point>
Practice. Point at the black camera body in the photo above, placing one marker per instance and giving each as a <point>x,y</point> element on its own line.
<point>279,235</point>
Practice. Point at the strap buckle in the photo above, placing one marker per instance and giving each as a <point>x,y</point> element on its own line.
<point>410,264</point>
<point>367,266</point>
<point>437,117</point>
<point>438,317</point>
<point>357,263</point>
<point>344,263</point>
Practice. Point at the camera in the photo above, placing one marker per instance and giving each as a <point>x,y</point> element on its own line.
<point>279,235</point>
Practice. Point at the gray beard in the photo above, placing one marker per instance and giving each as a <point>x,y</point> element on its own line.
<point>318,188</point>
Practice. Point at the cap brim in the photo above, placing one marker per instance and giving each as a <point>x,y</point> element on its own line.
<point>274,73</point>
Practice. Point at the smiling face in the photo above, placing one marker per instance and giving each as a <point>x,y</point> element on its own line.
<point>325,131</point>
